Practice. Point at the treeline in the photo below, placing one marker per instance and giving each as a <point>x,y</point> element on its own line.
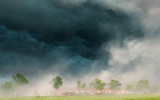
<point>18,80</point>
<point>142,86</point>
<point>12,87</point>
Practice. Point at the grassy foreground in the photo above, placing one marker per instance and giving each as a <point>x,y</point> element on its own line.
<point>103,97</point>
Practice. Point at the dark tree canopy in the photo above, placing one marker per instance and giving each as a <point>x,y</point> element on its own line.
<point>57,82</point>
<point>20,79</point>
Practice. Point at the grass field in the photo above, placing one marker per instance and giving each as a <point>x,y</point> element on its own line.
<point>103,97</point>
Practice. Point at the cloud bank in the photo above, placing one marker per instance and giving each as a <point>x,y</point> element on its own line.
<point>77,37</point>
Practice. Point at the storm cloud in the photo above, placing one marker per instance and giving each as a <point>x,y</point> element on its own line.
<point>71,37</point>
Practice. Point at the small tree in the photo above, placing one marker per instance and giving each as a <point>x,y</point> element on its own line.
<point>78,84</point>
<point>114,84</point>
<point>57,83</point>
<point>81,85</point>
<point>19,79</point>
<point>130,87</point>
<point>154,89</point>
<point>7,88</point>
<point>97,84</point>
<point>143,85</point>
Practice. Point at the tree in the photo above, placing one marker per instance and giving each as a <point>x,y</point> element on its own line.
<point>142,85</point>
<point>78,84</point>
<point>130,87</point>
<point>97,84</point>
<point>154,89</point>
<point>114,85</point>
<point>7,88</point>
<point>19,79</point>
<point>81,85</point>
<point>57,83</point>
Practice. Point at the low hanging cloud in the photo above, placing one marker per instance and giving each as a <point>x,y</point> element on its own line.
<point>137,58</point>
<point>77,37</point>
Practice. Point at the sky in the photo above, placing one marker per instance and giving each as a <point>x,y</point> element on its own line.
<point>74,38</point>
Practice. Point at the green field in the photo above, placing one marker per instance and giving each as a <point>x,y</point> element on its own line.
<point>103,97</point>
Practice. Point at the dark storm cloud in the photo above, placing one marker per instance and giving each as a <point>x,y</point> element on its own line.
<point>44,33</point>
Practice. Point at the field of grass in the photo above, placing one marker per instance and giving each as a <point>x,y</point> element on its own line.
<point>102,97</point>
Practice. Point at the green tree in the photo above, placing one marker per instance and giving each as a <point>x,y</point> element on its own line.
<point>142,85</point>
<point>7,88</point>
<point>84,85</point>
<point>78,84</point>
<point>19,79</point>
<point>130,87</point>
<point>114,85</point>
<point>81,85</point>
<point>154,89</point>
<point>97,84</point>
<point>57,83</point>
